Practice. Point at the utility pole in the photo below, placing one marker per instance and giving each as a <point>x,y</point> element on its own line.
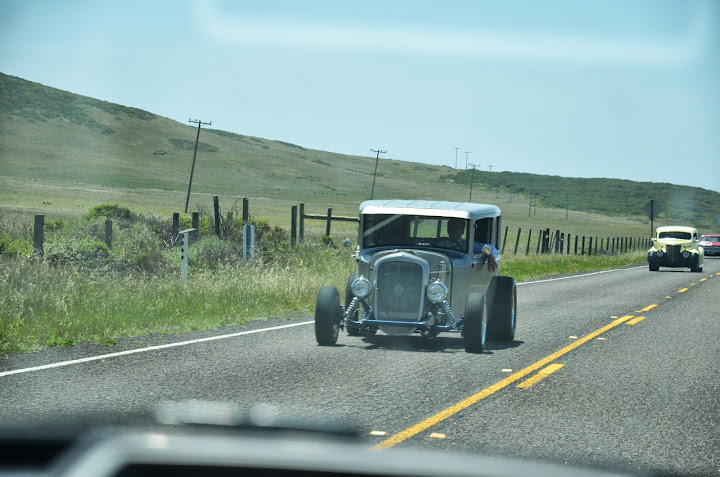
<point>377,159</point>
<point>472,179</point>
<point>466,155</point>
<point>192,170</point>
<point>566,205</point>
<point>456,150</point>
<point>532,192</point>
<point>490,166</point>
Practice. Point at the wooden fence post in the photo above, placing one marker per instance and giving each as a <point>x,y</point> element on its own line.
<point>175,226</point>
<point>301,217</point>
<point>39,235</point>
<point>540,239</point>
<point>329,221</point>
<point>576,241</point>
<point>293,225</point>
<point>567,239</point>
<point>246,211</point>
<point>583,246</point>
<point>504,240</point>
<point>216,207</point>
<point>590,247</point>
<point>517,241</point>
<point>527,249</point>
<point>108,233</point>
<point>557,241</point>
<point>196,225</point>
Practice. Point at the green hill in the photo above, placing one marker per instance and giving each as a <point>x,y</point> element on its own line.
<point>62,153</point>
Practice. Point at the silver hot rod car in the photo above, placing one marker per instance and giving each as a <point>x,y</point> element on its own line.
<point>424,267</point>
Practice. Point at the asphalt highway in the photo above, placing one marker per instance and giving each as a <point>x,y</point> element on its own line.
<point>614,369</point>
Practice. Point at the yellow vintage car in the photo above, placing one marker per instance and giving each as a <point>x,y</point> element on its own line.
<point>675,246</point>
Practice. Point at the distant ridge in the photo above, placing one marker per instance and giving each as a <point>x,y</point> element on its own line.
<point>52,135</point>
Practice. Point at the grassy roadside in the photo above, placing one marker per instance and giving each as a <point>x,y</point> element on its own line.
<point>42,305</point>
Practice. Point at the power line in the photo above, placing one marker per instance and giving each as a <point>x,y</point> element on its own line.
<point>377,159</point>
<point>192,170</point>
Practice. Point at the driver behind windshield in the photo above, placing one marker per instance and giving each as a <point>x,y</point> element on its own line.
<point>455,241</point>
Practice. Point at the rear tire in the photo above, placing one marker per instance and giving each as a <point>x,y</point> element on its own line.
<point>328,314</point>
<point>475,323</point>
<point>502,309</point>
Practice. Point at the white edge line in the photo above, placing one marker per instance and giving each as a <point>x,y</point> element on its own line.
<point>149,348</point>
<point>232,335</point>
<point>577,276</point>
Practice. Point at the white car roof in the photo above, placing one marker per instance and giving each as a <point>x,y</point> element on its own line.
<point>463,210</point>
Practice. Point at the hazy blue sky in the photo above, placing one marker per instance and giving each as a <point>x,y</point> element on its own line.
<point>627,89</point>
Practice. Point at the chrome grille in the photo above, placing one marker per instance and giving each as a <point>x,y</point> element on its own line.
<point>400,291</point>
<point>673,252</point>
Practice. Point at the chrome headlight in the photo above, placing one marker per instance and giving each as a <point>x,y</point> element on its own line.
<point>686,254</point>
<point>436,292</point>
<point>361,287</point>
<point>660,253</point>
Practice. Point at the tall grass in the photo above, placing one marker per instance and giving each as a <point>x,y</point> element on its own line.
<point>43,305</point>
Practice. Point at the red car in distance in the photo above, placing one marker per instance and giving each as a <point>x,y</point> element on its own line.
<point>710,244</point>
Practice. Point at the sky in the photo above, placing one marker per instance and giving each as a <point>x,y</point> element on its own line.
<point>624,89</point>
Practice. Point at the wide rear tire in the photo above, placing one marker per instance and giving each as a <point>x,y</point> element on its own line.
<point>502,309</point>
<point>475,323</point>
<point>328,314</point>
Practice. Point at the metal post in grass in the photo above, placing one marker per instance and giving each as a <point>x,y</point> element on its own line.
<point>184,249</point>
<point>248,241</point>
<point>246,211</point>
<point>293,225</point>
<point>329,221</point>
<point>108,233</point>
<point>39,235</point>
<point>504,240</point>
<point>301,217</point>
<point>517,241</point>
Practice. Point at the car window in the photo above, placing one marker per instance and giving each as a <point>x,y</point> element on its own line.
<point>675,235</point>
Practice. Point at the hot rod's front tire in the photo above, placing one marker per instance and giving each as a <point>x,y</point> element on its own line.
<point>328,314</point>
<point>502,309</point>
<point>352,330</point>
<point>475,323</point>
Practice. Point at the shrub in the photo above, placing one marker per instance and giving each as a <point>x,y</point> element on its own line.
<point>15,247</point>
<point>110,211</point>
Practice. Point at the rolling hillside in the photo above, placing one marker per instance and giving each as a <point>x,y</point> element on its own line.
<point>74,145</point>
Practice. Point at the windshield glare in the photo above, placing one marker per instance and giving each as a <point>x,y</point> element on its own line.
<point>380,230</point>
<point>675,235</point>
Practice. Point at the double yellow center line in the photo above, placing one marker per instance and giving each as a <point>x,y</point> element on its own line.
<point>475,398</point>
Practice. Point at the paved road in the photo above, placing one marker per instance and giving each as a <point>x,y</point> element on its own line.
<point>614,369</point>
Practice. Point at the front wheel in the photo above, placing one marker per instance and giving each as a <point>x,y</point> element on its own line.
<point>654,267</point>
<point>328,314</point>
<point>475,323</point>
<point>502,309</point>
